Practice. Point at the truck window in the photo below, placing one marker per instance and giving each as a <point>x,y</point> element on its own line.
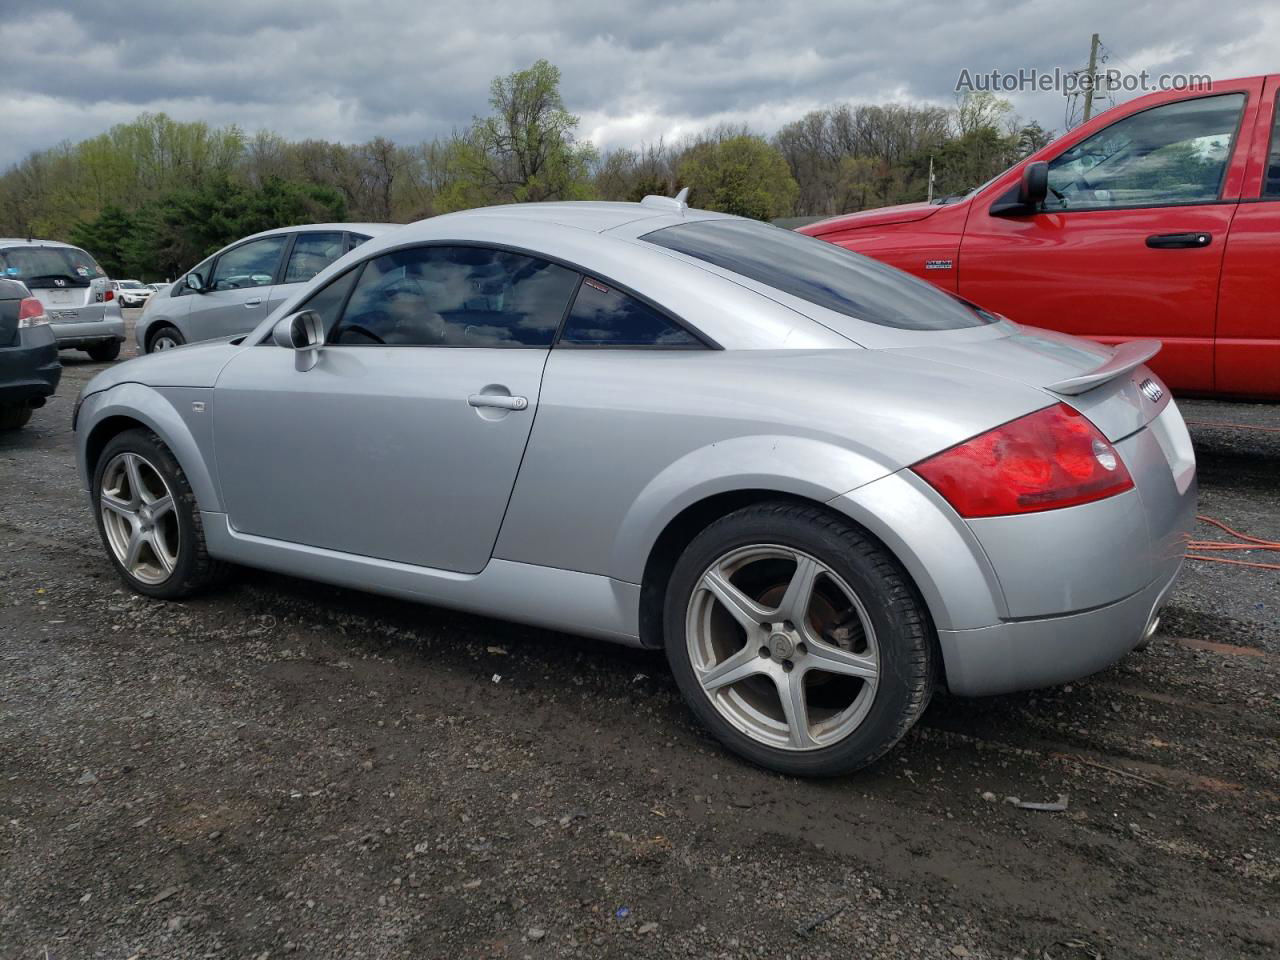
<point>1171,154</point>
<point>1271,186</point>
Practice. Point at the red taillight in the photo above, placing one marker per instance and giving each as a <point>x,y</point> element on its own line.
<point>31,313</point>
<point>1048,459</point>
<point>109,295</point>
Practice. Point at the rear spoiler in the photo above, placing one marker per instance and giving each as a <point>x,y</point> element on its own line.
<point>1127,356</point>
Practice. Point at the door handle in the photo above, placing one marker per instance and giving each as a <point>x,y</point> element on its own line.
<point>500,401</point>
<point>1174,241</point>
<point>256,301</point>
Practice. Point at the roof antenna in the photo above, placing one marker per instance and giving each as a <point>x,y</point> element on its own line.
<point>677,204</point>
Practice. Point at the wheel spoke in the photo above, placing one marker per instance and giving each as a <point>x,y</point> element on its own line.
<point>160,506</point>
<point>794,708</point>
<point>135,478</point>
<point>746,611</point>
<point>134,549</point>
<point>832,659</point>
<point>119,505</point>
<point>156,540</point>
<point>795,602</point>
<point>738,666</point>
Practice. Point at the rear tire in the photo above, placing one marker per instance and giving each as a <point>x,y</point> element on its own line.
<point>771,680</point>
<point>164,337</point>
<point>14,416</point>
<point>147,497</point>
<point>103,352</point>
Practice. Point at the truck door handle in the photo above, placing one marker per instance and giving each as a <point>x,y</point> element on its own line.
<point>1173,241</point>
<point>256,301</point>
<point>500,401</point>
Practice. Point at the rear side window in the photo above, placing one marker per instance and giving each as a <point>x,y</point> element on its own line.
<point>821,273</point>
<point>311,253</point>
<point>604,317</point>
<point>456,297</point>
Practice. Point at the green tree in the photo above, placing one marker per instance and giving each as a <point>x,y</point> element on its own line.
<point>526,149</point>
<point>743,175</point>
<point>107,237</point>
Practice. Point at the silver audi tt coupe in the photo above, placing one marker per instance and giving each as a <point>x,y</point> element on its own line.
<point>823,486</point>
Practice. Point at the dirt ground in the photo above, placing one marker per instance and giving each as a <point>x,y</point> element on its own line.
<point>282,768</point>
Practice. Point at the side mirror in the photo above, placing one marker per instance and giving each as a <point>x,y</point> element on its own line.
<point>1028,195</point>
<point>1035,185</point>
<point>195,282</point>
<point>303,333</point>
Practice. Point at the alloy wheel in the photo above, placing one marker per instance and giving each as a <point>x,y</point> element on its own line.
<point>140,519</point>
<point>782,647</point>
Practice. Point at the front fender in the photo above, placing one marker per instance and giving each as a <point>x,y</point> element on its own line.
<point>170,412</point>
<point>799,466</point>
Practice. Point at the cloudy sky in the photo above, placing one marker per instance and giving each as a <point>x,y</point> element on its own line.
<point>415,69</point>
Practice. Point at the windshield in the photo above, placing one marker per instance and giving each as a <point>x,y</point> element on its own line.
<point>45,265</point>
<point>130,285</point>
<point>821,273</point>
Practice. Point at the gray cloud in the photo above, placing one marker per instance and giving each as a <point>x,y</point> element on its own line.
<point>414,70</point>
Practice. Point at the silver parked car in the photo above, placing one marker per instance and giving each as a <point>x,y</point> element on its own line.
<point>823,486</point>
<point>229,293</point>
<point>78,299</point>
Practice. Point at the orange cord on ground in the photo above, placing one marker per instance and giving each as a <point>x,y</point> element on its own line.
<point>1243,542</point>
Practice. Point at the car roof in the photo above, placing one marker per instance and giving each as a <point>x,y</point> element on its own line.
<point>592,215</point>
<point>371,229</point>
<point>34,242</point>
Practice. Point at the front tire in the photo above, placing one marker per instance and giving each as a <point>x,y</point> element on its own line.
<point>103,352</point>
<point>164,337</point>
<point>148,519</point>
<point>797,640</point>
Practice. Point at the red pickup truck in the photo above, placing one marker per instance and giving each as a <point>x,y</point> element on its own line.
<point>1159,218</point>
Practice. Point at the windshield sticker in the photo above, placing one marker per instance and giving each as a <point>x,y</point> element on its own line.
<point>83,271</point>
<point>594,285</point>
<point>13,271</point>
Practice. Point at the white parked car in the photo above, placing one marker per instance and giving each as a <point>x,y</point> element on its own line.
<point>132,293</point>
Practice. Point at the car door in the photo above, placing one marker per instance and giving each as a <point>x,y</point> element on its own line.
<point>1130,240</point>
<point>403,442</point>
<point>310,252</point>
<point>1247,348</point>
<point>235,295</point>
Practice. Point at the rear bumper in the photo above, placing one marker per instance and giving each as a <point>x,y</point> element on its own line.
<point>1025,654</point>
<point>89,332</point>
<point>1084,584</point>
<point>29,370</point>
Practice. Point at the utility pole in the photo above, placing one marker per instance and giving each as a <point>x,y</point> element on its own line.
<point>1093,70</point>
<point>930,179</point>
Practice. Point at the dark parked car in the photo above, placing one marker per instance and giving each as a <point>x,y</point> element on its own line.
<point>29,367</point>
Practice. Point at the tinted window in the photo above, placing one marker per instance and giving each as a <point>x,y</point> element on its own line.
<point>311,253</point>
<point>355,239</point>
<point>249,265</point>
<point>1271,187</point>
<point>456,296</point>
<point>1177,153</point>
<point>820,273</point>
<point>602,316</point>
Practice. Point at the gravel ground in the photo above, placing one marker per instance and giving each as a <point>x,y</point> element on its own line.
<point>282,768</point>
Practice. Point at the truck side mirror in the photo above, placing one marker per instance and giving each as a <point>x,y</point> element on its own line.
<point>1028,195</point>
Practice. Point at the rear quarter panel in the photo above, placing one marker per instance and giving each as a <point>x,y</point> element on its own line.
<point>624,440</point>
